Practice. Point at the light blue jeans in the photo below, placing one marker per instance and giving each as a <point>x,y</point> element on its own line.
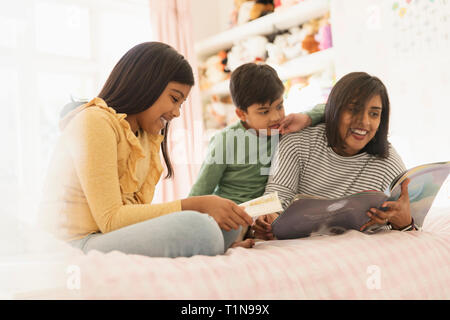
<point>178,234</point>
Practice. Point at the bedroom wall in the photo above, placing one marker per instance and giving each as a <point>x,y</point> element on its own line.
<point>210,17</point>
<point>404,43</point>
<point>407,45</point>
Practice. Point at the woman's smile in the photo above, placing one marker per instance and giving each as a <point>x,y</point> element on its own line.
<point>357,128</point>
<point>359,134</point>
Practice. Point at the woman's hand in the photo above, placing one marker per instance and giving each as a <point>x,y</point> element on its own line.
<point>262,228</point>
<point>294,122</point>
<point>398,213</point>
<point>227,214</point>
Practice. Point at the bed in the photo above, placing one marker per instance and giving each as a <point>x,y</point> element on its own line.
<point>353,265</point>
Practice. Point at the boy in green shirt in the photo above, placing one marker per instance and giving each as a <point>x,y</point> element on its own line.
<point>239,157</point>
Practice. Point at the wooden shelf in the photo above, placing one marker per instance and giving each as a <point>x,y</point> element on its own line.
<point>281,19</point>
<point>298,67</point>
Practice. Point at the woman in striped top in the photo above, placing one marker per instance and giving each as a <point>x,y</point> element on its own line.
<point>347,154</point>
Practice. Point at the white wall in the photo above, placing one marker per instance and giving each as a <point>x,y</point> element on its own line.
<point>210,17</point>
<point>409,51</point>
<point>406,45</point>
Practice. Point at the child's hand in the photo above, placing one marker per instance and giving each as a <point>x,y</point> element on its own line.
<point>294,122</point>
<point>227,214</point>
<point>262,228</point>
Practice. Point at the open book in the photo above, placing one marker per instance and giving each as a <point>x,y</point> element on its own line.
<point>308,215</point>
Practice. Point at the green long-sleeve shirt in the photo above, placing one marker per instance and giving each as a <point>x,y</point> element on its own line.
<point>237,163</point>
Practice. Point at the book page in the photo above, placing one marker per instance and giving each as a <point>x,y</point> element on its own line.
<point>425,183</point>
<point>267,204</point>
<point>326,216</point>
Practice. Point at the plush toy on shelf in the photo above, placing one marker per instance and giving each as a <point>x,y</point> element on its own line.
<point>287,46</point>
<point>274,49</point>
<point>214,70</point>
<point>275,54</point>
<point>261,8</point>
<point>245,11</point>
<point>324,36</point>
<point>241,12</point>
<point>295,38</point>
<point>219,112</point>
<point>309,43</point>
<point>248,50</point>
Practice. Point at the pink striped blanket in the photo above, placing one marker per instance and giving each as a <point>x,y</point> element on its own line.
<point>353,265</point>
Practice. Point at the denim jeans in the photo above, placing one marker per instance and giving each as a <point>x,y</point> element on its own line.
<point>178,234</point>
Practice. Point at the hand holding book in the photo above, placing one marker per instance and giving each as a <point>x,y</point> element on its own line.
<point>262,227</point>
<point>410,195</point>
<point>398,212</point>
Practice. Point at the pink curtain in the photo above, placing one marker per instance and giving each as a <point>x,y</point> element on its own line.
<point>171,22</point>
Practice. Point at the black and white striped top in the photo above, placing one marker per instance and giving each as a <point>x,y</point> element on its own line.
<point>305,164</point>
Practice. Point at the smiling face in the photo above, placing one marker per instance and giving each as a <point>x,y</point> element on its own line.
<point>165,108</point>
<point>358,125</point>
<point>263,116</point>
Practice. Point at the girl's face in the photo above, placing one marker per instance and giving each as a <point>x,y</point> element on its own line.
<point>357,128</point>
<point>165,108</point>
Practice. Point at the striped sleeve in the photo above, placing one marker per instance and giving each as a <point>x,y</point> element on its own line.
<point>394,167</point>
<point>285,170</point>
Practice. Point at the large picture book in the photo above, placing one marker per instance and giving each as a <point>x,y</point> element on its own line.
<point>307,215</point>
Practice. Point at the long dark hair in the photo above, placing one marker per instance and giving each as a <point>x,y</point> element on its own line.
<point>358,87</point>
<point>140,77</point>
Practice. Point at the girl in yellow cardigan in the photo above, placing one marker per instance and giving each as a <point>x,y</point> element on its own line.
<point>106,165</point>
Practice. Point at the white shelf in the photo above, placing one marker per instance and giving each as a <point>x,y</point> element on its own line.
<point>281,19</point>
<point>305,65</point>
<point>298,67</point>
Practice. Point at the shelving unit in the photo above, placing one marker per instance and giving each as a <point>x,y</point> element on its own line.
<point>298,67</point>
<point>281,19</point>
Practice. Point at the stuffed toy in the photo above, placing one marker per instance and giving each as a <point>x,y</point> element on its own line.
<point>220,112</point>
<point>295,38</point>
<point>248,50</point>
<point>217,111</point>
<point>287,46</point>
<point>242,9</point>
<point>275,54</point>
<point>214,70</point>
<point>235,13</point>
<point>309,43</point>
<point>324,36</point>
<point>245,11</point>
<point>261,8</point>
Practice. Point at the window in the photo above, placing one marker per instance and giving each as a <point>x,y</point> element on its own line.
<point>50,51</point>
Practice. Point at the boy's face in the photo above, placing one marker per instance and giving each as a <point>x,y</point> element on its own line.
<point>263,116</point>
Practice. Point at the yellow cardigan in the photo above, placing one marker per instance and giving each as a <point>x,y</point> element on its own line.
<point>92,184</point>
